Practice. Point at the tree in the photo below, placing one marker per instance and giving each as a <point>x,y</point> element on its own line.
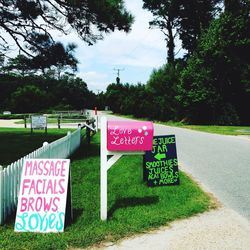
<point>21,64</point>
<point>231,6</point>
<point>28,98</point>
<point>186,19</point>
<point>165,18</point>
<point>214,86</point>
<point>194,17</point>
<point>19,19</point>
<point>56,56</point>
<point>161,88</point>
<point>115,95</point>
<point>2,59</point>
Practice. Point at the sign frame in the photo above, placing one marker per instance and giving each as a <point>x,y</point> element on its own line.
<point>43,196</point>
<point>160,165</point>
<point>38,122</point>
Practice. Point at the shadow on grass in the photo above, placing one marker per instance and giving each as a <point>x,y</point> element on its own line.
<point>86,150</point>
<point>77,212</point>
<point>132,202</point>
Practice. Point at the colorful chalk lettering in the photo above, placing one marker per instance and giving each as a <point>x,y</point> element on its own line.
<point>42,196</point>
<point>160,164</point>
<point>129,136</point>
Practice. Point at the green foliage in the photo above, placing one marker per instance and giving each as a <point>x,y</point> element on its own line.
<point>215,83</point>
<point>161,87</point>
<point>194,17</point>
<point>28,98</point>
<point>156,100</point>
<point>47,56</point>
<point>37,93</point>
<point>115,96</point>
<point>235,6</point>
<point>21,64</point>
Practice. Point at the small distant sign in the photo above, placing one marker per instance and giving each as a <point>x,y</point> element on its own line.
<point>42,196</point>
<point>160,164</point>
<point>6,113</point>
<point>129,136</point>
<point>38,122</point>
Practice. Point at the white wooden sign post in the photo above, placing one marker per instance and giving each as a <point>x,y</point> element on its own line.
<point>117,139</point>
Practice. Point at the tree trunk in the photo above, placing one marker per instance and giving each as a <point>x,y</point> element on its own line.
<point>170,43</point>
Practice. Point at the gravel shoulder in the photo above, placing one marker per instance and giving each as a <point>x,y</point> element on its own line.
<point>10,124</point>
<point>217,229</point>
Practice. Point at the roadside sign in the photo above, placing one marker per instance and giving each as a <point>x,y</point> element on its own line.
<point>42,196</point>
<point>160,164</point>
<point>38,122</point>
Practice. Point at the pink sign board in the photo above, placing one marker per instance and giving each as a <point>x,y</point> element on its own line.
<point>42,196</point>
<point>129,136</point>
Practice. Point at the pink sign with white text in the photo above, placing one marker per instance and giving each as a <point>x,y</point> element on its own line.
<point>130,136</point>
<point>42,195</point>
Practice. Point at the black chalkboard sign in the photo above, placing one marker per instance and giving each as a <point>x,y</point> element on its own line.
<point>160,164</point>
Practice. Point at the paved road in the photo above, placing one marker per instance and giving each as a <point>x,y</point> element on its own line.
<point>221,163</point>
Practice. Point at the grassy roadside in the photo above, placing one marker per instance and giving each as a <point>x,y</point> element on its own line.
<point>133,207</point>
<point>16,143</point>
<point>224,130</point>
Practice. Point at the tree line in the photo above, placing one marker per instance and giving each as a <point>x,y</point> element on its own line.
<point>31,93</point>
<point>210,84</point>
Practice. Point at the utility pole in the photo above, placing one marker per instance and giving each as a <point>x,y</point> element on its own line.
<point>118,75</point>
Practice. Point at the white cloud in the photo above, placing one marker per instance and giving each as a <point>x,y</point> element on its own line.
<point>142,44</point>
<point>96,81</point>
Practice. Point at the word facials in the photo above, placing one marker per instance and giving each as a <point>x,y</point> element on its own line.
<point>160,164</point>
<point>42,197</point>
<point>129,136</point>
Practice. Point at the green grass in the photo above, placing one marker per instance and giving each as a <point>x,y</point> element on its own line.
<point>16,143</point>
<point>133,207</point>
<point>224,130</point>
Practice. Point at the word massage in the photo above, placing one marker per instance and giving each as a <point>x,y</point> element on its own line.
<point>42,196</point>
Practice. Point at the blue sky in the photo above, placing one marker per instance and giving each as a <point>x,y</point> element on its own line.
<point>137,52</point>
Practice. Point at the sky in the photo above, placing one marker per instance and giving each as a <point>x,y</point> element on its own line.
<point>136,53</point>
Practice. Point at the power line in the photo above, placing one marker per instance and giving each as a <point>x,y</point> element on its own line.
<point>118,71</point>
